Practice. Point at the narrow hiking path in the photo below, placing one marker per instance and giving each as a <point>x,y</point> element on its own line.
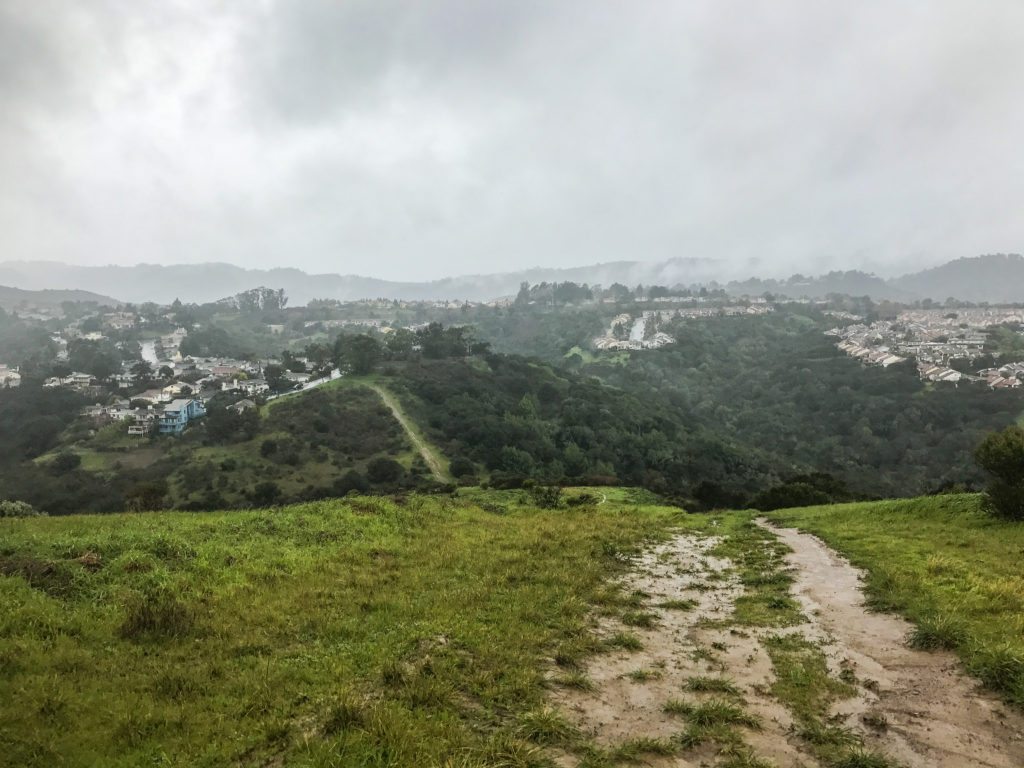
<point>722,673</point>
<point>430,454</point>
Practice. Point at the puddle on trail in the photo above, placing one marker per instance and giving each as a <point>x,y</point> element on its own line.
<point>937,717</point>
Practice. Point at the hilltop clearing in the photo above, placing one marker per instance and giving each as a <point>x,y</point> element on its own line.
<point>479,630</point>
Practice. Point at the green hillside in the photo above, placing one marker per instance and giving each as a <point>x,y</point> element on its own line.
<point>365,632</point>
<point>946,565</point>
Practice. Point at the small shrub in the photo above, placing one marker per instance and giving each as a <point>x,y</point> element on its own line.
<point>546,496</point>
<point>937,633</point>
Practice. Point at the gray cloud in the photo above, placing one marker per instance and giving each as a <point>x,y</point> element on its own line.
<point>415,140</point>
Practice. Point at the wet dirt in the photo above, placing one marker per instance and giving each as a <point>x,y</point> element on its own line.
<point>680,646</point>
<point>936,715</point>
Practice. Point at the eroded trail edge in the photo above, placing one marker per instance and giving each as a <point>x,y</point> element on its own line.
<point>710,667</point>
<point>937,715</point>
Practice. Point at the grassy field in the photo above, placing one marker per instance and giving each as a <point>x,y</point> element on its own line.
<point>365,632</point>
<point>952,570</point>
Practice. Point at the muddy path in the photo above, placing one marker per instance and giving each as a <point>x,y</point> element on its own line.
<point>937,715</point>
<point>917,708</point>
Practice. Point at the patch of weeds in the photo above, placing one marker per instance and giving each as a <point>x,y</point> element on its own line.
<point>821,734</point>
<point>701,653</point>
<point>633,749</point>
<point>177,686</point>
<point>628,641</point>
<point>711,713</point>
<point>575,679</point>
<point>156,613</point>
<point>936,633</point>
<point>711,685</point>
<point>862,758</point>
<point>544,726</point>
<point>645,675</point>
<point>642,619</point>
<point>505,751</point>
<point>347,714</point>
<point>802,681</point>
<point>677,605</point>
<point>697,735</point>
<point>1000,667</point>
<point>764,574</point>
<point>742,756</point>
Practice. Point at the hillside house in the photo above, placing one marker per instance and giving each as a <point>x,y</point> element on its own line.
<point>9,377</point>
<point>178,414</point>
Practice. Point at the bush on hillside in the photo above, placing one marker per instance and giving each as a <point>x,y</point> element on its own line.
<point>18,509</point>
<point>462,467</point>
<point>1001,455</point>
<point>65,461</point>
<point>383,470</point>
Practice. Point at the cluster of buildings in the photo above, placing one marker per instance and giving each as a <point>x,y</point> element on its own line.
<point>168,419</point>
<point>1007,377</point>
<point>934,338</point>
<point>9,377</point>
<point>880,355</point>
<point>628,333</point>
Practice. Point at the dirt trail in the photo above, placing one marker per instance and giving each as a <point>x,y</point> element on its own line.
<point>433,463</point>
<point>937,717</point>
<point>681,646</point>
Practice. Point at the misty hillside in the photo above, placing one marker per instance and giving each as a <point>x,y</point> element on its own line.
<point>210,282</point>
<point>19,298</point>
<point>992,278</point>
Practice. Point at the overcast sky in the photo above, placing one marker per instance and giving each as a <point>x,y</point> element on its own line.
<point>420,139</point>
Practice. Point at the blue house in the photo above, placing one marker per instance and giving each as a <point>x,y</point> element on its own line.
<point>178,413</point>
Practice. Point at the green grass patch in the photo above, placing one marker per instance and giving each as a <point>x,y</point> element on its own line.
<point>760,560</point>
<point>711,685</point>
<point>711,713</point>
<point>370,631</point>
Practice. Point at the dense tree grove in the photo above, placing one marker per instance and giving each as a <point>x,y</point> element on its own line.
<point>519,419</point>
<point>779,387</point>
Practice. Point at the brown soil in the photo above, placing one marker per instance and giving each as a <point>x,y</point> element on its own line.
<point>936,715</point>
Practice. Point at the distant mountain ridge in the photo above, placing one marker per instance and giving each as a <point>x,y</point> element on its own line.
<point>993,278</point>
<point>17,298</point>
<point>202,283</point>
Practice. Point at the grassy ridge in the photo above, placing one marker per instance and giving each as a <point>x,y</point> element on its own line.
<point>948,567</point>
<point>366,632</point>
